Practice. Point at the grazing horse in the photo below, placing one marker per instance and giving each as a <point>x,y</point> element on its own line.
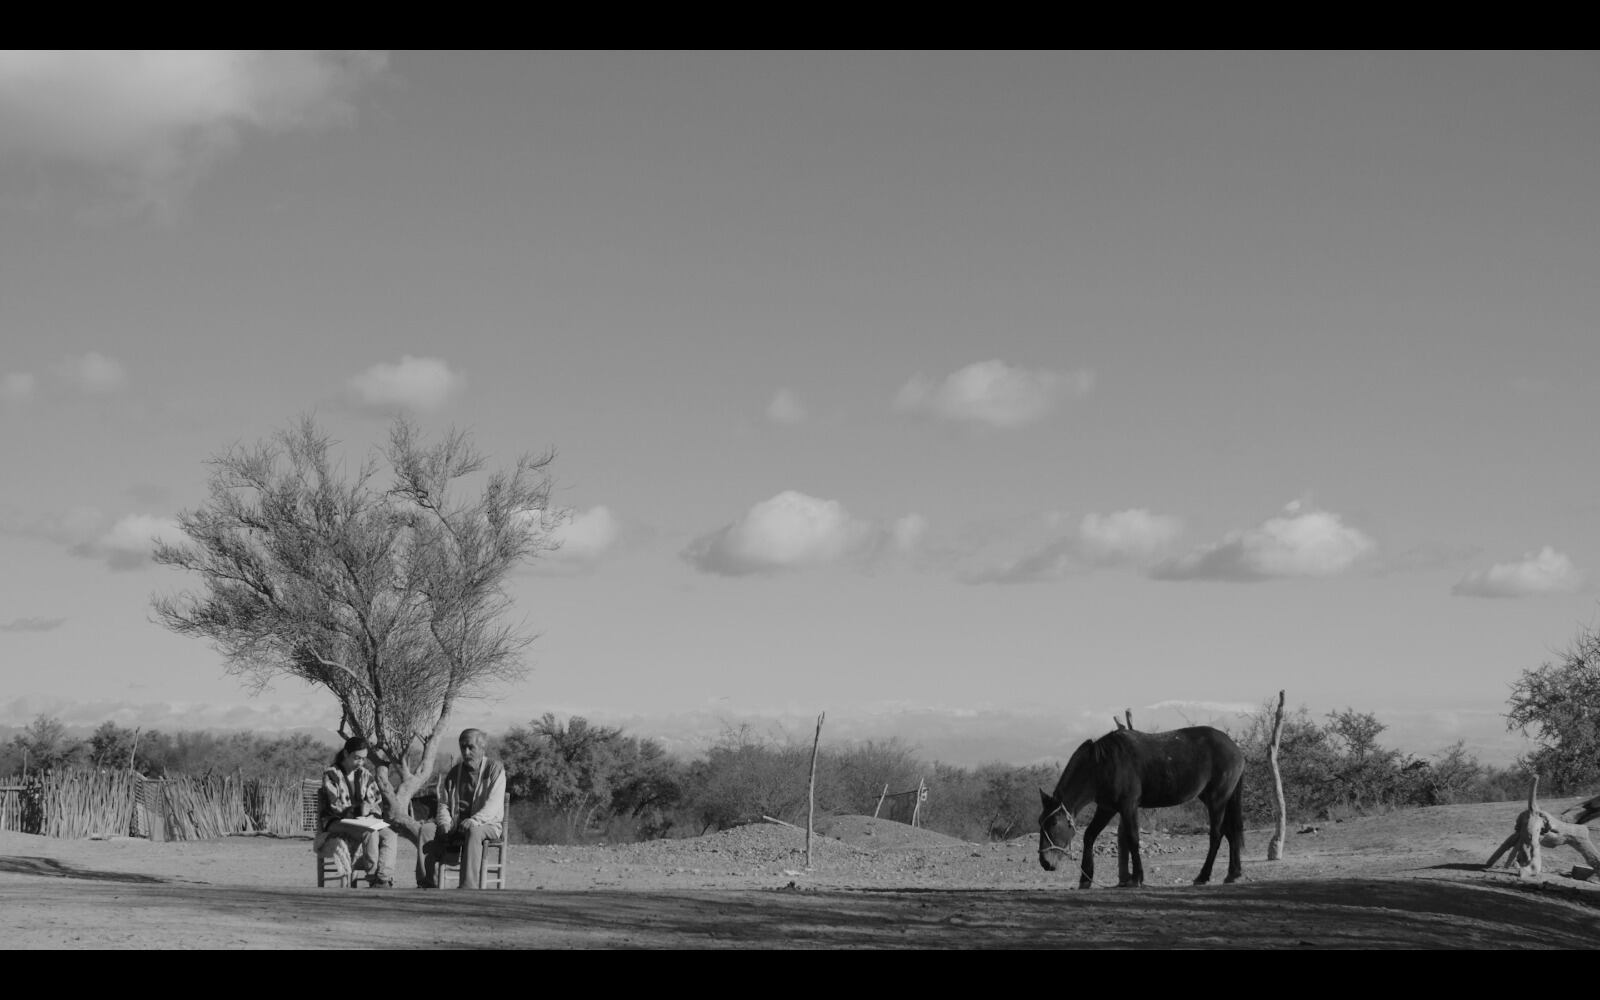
<point>1126,770</point>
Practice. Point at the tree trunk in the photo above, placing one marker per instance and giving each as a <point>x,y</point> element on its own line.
<point>1279,835</point>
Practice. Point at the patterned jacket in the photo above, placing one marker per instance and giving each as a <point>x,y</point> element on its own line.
<point>338,800</point>
<point>483,801</point>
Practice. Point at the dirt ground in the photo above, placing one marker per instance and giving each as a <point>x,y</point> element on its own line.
<point>1409,879</point>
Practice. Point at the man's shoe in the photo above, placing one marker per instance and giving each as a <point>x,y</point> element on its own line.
<point>380,883</point>
<point>427,884</point>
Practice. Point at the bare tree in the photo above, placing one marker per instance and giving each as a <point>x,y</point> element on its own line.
<point>391,599</point>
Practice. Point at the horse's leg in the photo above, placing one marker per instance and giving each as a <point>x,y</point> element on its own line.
<point>1233,823</point>
<point>1102,816</point>
<point>1215,812</point>
<point>1122,854</point>
<point>1128,844</point>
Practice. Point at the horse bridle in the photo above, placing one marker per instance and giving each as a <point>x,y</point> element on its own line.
<point>1044,832</point>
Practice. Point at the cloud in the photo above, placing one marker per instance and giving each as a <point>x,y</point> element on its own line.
<point>64,526</point>
<point>908,532</point>
<point>127,544</point>
<point>1213,707</point>
<point>585,535</point>
<point>1544,572</point>
<point>17,387</point>
<point>786,408</point>
<point>1124,536</point>
<point>415,383</point>
<point>1300,542</point>
<point>794,531</point>
<point>93,372</point>
<point>1135,533</point>
<point>32,625</point>
<point>151,123</point>
<point>993,393</point>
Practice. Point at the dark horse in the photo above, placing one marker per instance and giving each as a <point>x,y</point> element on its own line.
<point>1123,771</point>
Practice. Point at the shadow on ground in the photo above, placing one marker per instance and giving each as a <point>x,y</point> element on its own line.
<point>61,869</point>
<point>1333,913</point>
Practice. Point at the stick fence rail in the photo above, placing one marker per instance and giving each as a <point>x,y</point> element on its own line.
<point>80,804</point>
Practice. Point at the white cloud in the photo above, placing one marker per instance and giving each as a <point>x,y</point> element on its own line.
<point>585,535</point>
<point>153,122</point>
<point>1300,542</point>
<point>993,393</point>
<point>909,531</point>
<point>93,372</point>
<point>1124,536</point>
<point>417,383</point>
<point>17,387</point>
<point>1213,707</point>
<point>786,408</point>
<point>1135,533</point>
<point>795,531</point>
<point>1544,572</point>
<point>128,542</point>
<point>63,526</point>
<point>32,625</point>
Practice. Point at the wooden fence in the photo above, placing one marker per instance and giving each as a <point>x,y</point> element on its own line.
<point>11,806</point>
<point>903,807</point>
<point>78,804</point>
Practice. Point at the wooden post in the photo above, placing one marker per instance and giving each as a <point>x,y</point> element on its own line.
<point>916,807</point>
<point>812,807</point>
<point>134,747</point>
<point>1275,846</point>
<point>880,801</point>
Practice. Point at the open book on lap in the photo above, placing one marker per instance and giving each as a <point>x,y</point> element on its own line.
<point>370,822</point>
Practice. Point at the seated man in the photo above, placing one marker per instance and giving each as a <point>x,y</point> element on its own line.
<point>349,792</point>
<point>471,810</point>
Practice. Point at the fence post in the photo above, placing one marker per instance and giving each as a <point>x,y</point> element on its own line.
<point>1281,833</point>
<point>812,807</point>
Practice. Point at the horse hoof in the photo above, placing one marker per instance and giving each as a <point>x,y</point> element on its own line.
<point>1237,877</point>
<point>1086,884</point>
<point>1130,884</point>
<point>1202,881</point>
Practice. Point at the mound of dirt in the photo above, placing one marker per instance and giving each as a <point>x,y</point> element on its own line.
<point>880,834</point>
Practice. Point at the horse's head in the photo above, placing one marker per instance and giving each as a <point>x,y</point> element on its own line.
<point>1056,830</point>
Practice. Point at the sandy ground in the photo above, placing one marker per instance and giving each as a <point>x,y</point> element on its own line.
<point>1410,879</point>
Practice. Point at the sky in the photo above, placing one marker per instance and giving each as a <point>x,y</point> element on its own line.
<point>965,397</point>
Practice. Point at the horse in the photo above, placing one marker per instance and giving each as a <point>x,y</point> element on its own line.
<point>1126,770</point>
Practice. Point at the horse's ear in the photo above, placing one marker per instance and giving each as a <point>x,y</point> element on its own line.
<point>1046,801</point>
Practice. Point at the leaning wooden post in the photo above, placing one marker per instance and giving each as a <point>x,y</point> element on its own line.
<point>1275,846</point>
<point>812,807</point>
<point>880,801</point>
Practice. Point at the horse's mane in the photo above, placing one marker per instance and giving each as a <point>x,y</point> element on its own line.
<point>1078,776</point>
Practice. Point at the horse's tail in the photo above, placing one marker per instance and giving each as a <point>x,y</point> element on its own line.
<point>1233,816</point>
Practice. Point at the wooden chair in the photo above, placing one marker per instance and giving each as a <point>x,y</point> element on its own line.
<point>328,871</point>
<point>491,873</point>
<point>327,867</point>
